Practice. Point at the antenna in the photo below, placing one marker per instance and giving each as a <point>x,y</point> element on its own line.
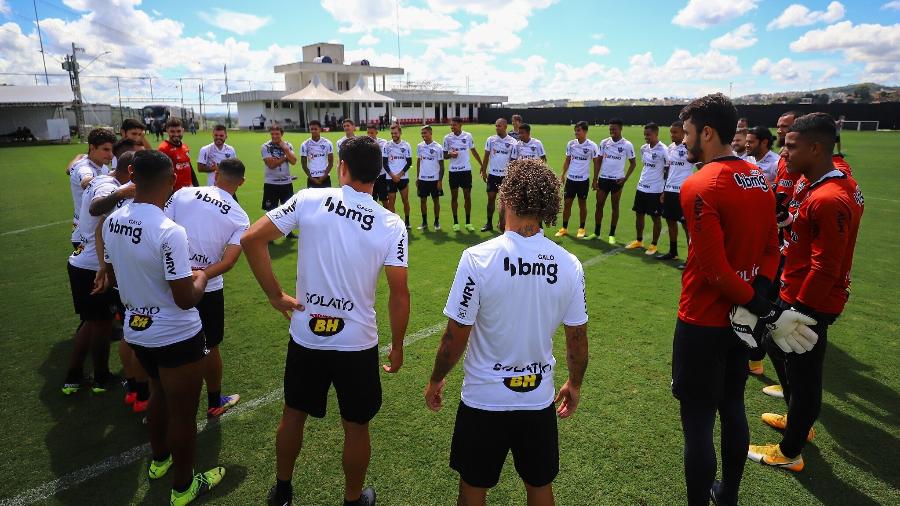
<point>41,40</point>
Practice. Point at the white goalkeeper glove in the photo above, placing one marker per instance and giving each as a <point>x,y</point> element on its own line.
<point>746,325</point>
<point>791,332</point>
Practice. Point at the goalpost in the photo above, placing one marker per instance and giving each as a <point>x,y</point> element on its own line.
<point>861,125</point>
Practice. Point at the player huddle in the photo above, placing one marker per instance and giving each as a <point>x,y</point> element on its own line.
<point>767,268</point>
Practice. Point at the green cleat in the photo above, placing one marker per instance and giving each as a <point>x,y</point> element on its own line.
<point>591,237</point>
<point>70,388</point>
<point>612,239</point>
<point>203,483</point>
<point>456,227</point>
<point>469,227</point>
<point>158,469</point>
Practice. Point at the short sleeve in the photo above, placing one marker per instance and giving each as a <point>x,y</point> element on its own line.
<point>103,190</point>
<point>103,232</point>
<point>576,312</point>
<point>440,155</point>
<point>286,217</point>
<point>175,254</point>
<point>470,142</point>
<point>630,151</point>
<point>330,147</point>
<point>203,156</point>
<point>303,150</point>
<point>264,152</point>
<point>487,144</point>
<point>568,149</point>
<point>169,208</point>
<point>464,299</point>
<point>398,254</point>
<point>241,226</point>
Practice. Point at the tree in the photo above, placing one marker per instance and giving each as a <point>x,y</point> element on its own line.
<point>863,93</point>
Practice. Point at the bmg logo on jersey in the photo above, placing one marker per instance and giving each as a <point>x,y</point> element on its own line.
<point>204,197</point>
<point>132,229</point>
<point>523,268</point>
<point>525,383</point>
<point>325,326</point>
<point>756,179</point>
<point>364,219</point>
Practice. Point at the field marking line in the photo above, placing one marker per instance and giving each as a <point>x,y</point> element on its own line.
<point>36,227</point>
<point>884,199</point>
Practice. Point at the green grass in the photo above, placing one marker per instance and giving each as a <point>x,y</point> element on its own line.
<point>623,446</point>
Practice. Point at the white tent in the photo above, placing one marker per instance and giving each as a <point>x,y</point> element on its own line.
<point>316,92</point>
<point>361,93</point>
<point>31,107</point>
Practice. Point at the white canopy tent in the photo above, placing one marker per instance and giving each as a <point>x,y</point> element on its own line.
<point>361,93</point>
<point>316,92</point>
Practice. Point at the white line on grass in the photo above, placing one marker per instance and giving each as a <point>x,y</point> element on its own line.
<point>65,482</point>
<point>36,227</point>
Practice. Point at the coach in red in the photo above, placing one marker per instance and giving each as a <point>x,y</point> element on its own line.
<point>180,154</point>
<point>826,210</point>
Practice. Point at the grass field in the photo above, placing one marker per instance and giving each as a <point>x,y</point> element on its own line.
<point>623,446</point>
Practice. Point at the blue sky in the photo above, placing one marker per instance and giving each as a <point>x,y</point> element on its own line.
<point>527,49</point>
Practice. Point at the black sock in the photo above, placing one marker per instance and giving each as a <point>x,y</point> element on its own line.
<point>612,230</point>
<point>143,390</point>
<point>456,219</point>
<point>129,385</point>
<point>407,220</point>
<point>565,223</point>
<point>74,376</point>
<point>581,225</point>
<point>284,491</point>
<point>673,247</point>
<point>468,218</point>
<point>161,458</point>
<point>424,218</point>
<point>352,503</point>
<point>597,230</point>
<point>640,238</point>
<point>214,399</point>
<point>183,489</point>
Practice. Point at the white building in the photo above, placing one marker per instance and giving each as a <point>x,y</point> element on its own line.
<point>325,62</point>
<point>31,107</point>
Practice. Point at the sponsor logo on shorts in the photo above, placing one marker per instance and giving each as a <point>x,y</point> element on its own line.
<point>361,214</point>
<point>325,326</point>
<point>140,322</point>
<point>540,268</point>
<point>523,384</point>
<point>131,229</point>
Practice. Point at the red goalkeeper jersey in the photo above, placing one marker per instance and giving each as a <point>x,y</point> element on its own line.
<point>819,252</point>
<point>728,209</point>
<point>181,160</point>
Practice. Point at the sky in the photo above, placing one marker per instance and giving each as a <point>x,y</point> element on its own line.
<point>525,49</point>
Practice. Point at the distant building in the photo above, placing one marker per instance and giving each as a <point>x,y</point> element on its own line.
<point>323,64</point>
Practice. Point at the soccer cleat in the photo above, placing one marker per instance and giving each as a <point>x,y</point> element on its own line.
<point>367,498</point>
<point>561,232</point>
<point>612,239</point>
<point>422,227</point>
<point>130,397</point>
<point>202,483</point>
<point>779,422</point>
<point>580,234</point>
<point>101,386</point>
<point>755,367</point>
<point>634,244</point>
<point>408,226</point>
<point>591,237</point>
<point>487,228</point>
<point>456,227</point>
<point>774,391</point>
<point>651,250</point>
<point>682,265</point>
<point>158,469</point>
<point>715,493</point>
<point>70,388</point>
<point>225,404</point>
<point>273,500</point>
<point>437,226</point>
<point>770,455</point>
<point>668,256</point>
<point>140,406</point>
<point>469,227</point>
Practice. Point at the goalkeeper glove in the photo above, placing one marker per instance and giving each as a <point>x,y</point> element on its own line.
<point>788,328</point>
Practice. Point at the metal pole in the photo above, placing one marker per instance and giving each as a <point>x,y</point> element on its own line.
<point>41,40</point>
<point>151,87</point>
<point>77,104</point>
<point>227,103</point>
<point>200,94</point>
<point>119,90</point>
<point>181,87</point>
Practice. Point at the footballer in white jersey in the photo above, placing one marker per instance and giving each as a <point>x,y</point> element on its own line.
<point>317,157</point>
<point>508,388</point>
<point>278,156</point>
<point>582,155</point>
<point>457,146</point>
<point>349,132</point>
<point>647,197</point>
<point>346,240</point>
<point>499,149</point>
<point>528,146</point>
<point>759,146</point>
<point>679,170</point>
<point>615,152</point>
<point>100,154</point>
<point>396,161</point>
<point>380,188</point>
<point>214,153</point>
<point>429,176</point>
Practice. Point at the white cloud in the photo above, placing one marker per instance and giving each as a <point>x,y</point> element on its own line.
<point>706,13</point>
<point>789,71</point>
<point>741,37</point>
<point>210,35</point>
<point>598,50</point>
<point>240,23</point>
<point>878,46</point>
<point>365,16</point>
<point>4,8</point>
<point>895,5</point>
<point>368,40</point>
<point>800,15</point>
<point>830,73</point>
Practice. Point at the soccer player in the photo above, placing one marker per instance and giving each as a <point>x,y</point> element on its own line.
<point>499,149</point>
<point>679,170</point>
<point>815,280</point>
<point>654,157</point>
<point>316,158</point>
<point>100,154</point>
<point>396,160</point>
<point>528,146</point>
<point>839,125</point>
<point>732,258</point>
<point>149,258</point>
<point>743,124</point>
<point>614,150</point>
<point>345,240</point>
<point>581,154</point>
<point>215,153</point>
<point>380,188</point>
<point>278,156</point>
<point>759,146</point>
<point>457,145</point>
<point>349,132</point>
<point>131,129</point>
<point>214,223</point>
<point>508,389</point>
<point>429,176</point>
<point>739,145</point>
<point>179,153</point>
<point>516,123</point>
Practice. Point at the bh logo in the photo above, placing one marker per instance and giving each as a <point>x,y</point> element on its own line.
<point>525,383</point>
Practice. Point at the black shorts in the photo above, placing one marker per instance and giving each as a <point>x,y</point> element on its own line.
<point>309,374</point>
<point>837,138</point>
<point>380,188</point>
<point>493,183</point>
<point>708,364</point>
<point>170,356</point>
<point>399,186</point>
<point>647,203</point>
<point>428,189</point>
<point>90,307</point>
<point>609,185</point>
<point>482,439</point>
<point>212,314</point>
<point>578,189</point>
<point>276,194</point>
<point>461,179</point>
<point>672,207</point>
<point>326,183</point>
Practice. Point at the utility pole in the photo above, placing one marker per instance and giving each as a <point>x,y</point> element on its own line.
<point>41,40</point>
<point>181,87</point>
<point>200,94</point>
<point>151,87</point>
<point>71,66</point>
<point>227,103</point>
<point>121,111</point>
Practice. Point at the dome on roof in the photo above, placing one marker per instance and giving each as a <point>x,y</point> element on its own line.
<point>360,62</point>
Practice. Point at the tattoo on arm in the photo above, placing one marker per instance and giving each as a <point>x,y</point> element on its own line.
<point>576,353</point>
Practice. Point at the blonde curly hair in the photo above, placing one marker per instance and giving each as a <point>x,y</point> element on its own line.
<point>530,188</point>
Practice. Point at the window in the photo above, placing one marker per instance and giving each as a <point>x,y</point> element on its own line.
<point>378,104</point>
<point>275,105</point>
<point>417,104</point>
<point>406,104</point>
<point>429,104</point>
<point>287,105</point>
<point>340,85</point>
<point>334,105</point>
<point>268,104</point>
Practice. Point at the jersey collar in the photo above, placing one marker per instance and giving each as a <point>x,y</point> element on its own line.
<point>832,174</point>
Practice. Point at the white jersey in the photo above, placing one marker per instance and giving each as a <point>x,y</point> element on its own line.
<point>745,156</point>
<point>679,167</point>
<point>211,155</point>
<point>769,165</point>
<point>509,364</point>
<point>461,143</point>
<point>147,250</point>
<point>531,149</point>
<point>502,150</point>
<point>614,154</point>
<point>430,156</point>
<point>80,170</point>
<point>316,153</point>
<point>581,157</point>
<point>85,255</point>
<point>282,173</point>
<point>381,142</point>
<point>397,153</point>
<point>341,141</point>
<point>212,220</point>
<point>653,174</point>
<point>345,239</point>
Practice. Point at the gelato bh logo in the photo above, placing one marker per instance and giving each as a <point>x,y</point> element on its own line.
<point>140,322</point>
<point>522,268</point>
<point>364,219</point>
<point>325,326</point>
<point>525,383</point>
<point>756,179</point>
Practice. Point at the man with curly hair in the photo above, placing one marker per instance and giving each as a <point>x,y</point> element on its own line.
<point>508,389</point>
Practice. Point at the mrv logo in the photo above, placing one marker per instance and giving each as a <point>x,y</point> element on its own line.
<point>364,219</point>
<point>522,268</point>
<point>132,229</point>
<point>204,197</point>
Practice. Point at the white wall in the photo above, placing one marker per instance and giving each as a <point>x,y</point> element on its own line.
<point>33,117</point>
<point>249,110</point>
